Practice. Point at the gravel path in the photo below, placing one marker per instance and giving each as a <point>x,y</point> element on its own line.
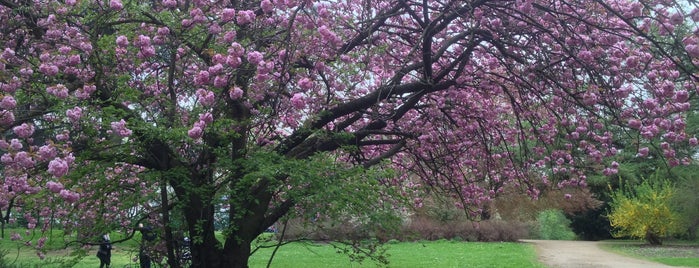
<point>584,254</point>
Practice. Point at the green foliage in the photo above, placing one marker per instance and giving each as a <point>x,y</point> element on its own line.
<point>644,211</point>
<point>686,200</point>
<point>5,261</point>
<point>554,225</point>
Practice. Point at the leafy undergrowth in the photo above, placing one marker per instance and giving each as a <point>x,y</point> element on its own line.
<point>671,253</point>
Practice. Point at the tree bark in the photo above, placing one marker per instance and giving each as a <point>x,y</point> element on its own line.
<point>206,249</point>
<point>653,238</point>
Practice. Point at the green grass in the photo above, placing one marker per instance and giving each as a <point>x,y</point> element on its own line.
<point>674,253</point>
<point>406,254</point>
<point>58,254</point>
<point>309,255</point>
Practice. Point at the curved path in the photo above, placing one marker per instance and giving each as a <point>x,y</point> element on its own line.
<point>579,254</point>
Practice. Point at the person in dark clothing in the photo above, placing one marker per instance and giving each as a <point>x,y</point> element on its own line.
<point>105,252</point>
<point>147,236</point>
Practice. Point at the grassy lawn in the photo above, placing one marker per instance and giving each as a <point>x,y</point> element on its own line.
<point>407,254</point>
<point>309,255</point>
<point>57,255</point>
<point>671,253</point>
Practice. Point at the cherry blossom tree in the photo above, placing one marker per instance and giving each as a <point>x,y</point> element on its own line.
<point>276,107</point>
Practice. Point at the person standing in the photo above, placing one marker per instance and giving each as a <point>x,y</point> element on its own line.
<point>105,252</point>
<point>147,236</point>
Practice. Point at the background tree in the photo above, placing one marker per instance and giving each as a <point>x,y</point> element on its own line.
<point>275,108</point>
<point>645,211</point>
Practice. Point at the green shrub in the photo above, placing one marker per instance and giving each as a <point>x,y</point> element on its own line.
<point>553,225</point>
<point>645,211</point>
<point>686,203</point>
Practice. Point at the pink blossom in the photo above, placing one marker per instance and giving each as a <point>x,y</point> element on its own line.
<point>15,237</point>
<point>254,57</point>
<point>8,102</point>
<point>207,118</point>
<point>26,72</point>
<point>692,50</point>
<point>695,14</point>
<point>643,152</point>
<point>116,4</point>
<point>24,159</point>
<point>567,196</point>
<point>236,49</point>
<point>6,118</point>
<point>214,28</point>
<point>220,81</point>
<point>169,3</point>
<point>206,97</point>
<point>186,23</point>
<point>635,123</point>
<point>58,167</point>
<point>235,93</point>
<point>41,242</point>
<point>266,6</point>
<point>202,78</point>
<point>228,14</point>
<point>15,144</point>
<point>327,35</point>
<point>24,130</point>
<point>85,47</point>
<point>297,101</point>
<point>233,61</point>
<point>69,196</point>
<point>305,83</point>
<point>64,49</point>
<point>650,104</point>
<point>693,141</point>
<point>585,56</point>
<point>245,17</point>
<point>120,128</point>
<point>73,60</point>
<point>71,2</point>
<point>195,132</point>
<point>59,90</point>
<point>163,30</point>
<point>74,114</point>
<point>146,52</point>
<point>216,69</point>
<point>54,187</point>
<point>681,96</point>
<point>229,36</point>
<point>142,41</point>
<point>48,69</point>
<point>7,159</point>
<point>47,152</point>
<point>122,41</point>
<point>677,18</point>
<point>85,91</point>
<point>70,158</point>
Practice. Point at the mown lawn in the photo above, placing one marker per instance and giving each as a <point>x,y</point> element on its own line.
<point>408,254</point>
<point>674,253</point>
<point>309,255</point>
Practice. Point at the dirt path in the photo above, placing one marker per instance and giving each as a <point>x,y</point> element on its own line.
<point>584,254</point>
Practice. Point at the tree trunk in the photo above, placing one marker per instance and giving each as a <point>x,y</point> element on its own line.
<point>237,256</point>
<point>206,249</point>
<point>653,238</point>
<point>170,244</point>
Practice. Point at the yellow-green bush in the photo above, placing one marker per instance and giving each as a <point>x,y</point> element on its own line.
<point>644,211</point>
